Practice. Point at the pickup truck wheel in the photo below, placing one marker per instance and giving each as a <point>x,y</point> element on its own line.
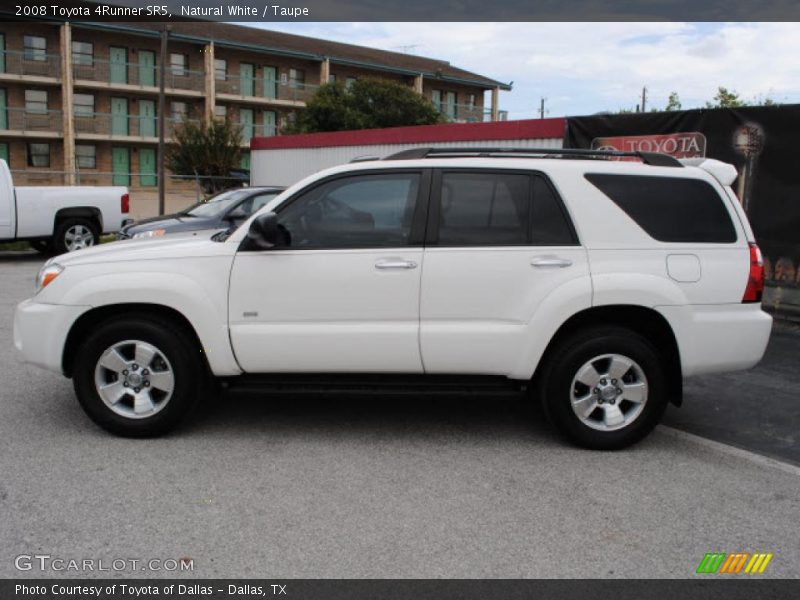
<point>74,234</point>
<point>604,388</point>
<point>139,377</point>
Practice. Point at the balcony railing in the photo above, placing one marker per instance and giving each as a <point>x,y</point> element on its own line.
<point>20,119</point>
<point>137,74</point>
<point>251,131</point>
<point>110,125</point>
<point>30,63</point>
<point>465,113</point>
<point>269,89</point>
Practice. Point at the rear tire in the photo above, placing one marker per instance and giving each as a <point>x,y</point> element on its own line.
<point>604,388</point>
<point>75,234</point>
<point>139,376</point>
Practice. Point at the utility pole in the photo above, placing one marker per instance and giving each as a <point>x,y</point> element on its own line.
<point>644,98</point>
<point>541,108</point>
<point>162,121</point>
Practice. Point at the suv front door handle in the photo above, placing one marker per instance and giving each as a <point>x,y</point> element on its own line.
<point>551,262</point>
<point>395,263</point>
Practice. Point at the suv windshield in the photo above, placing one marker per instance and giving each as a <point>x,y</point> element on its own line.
<point>218,204</point>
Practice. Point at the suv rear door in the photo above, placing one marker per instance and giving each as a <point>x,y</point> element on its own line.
<point>343,296</point>
<point>498,242</point>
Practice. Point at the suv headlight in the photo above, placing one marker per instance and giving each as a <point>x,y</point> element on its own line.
<point>47,274</point>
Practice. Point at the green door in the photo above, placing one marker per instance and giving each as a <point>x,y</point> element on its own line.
<point>147,167</point>
<point>119,116</point>
<point>118,65</point>
<point>246,79</point>
<point>4,151</point>
<point>147,67</point>
<point>246,121</point>
<point>3,111</point>
<point>270,82</point>
<point>269,123</point>
<point>147,118</point>
<point>2,53</point>
<point>245,161</point>
<point>121,166</point>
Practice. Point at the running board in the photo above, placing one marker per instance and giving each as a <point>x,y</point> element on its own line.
<point>391,384</point>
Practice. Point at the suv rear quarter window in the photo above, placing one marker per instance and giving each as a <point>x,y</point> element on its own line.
<point>670,209</point>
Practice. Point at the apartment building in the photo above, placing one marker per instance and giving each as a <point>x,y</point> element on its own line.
<point>79,101</point>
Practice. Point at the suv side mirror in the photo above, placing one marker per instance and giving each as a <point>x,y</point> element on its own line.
<point>263,233</point>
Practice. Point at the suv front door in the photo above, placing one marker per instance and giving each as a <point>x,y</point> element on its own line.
<point>343,294</point>
<point>498,243</point>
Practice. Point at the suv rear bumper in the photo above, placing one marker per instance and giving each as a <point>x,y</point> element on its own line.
<point>719,338</point>
<point>40,332</point>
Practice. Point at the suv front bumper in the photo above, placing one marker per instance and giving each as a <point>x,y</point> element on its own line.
<point>40,331</point>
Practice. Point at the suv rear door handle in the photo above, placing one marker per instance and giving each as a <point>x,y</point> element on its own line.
<point>551,261</point>
<point>395,263</point>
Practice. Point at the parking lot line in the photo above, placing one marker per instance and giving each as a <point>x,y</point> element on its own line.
<point>753,457</point>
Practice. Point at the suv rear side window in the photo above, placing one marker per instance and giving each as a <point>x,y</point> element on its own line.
<point>500,209</point>
<point>670,209</point>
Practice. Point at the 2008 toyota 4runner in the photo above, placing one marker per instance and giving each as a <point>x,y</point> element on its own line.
<point>595,282</point>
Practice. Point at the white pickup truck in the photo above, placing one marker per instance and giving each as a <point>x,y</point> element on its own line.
<point>59,219</point>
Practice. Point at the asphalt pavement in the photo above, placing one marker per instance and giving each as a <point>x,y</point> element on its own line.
<point>386,487</point>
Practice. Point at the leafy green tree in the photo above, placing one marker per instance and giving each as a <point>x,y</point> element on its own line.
<point>206,149</point>
<point>367,104</point>
<point>725,99</point>
<point>673,102</point>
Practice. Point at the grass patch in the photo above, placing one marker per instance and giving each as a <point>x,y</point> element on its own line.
<point>12,246</point>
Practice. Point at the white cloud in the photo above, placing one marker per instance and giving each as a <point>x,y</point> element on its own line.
<point>589,67</point>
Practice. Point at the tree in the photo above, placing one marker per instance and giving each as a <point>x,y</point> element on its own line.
<point>725,99</point>
<point>368,103</point>
<point>208,149</point>
<point>674,102</point>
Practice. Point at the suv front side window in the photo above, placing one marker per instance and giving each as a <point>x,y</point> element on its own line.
<point>362,211</point>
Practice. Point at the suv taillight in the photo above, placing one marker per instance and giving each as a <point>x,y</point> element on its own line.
<point>125,203</point>
<point>755,279</point>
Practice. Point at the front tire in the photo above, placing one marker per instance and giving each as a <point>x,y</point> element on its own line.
<point>604,388</point>
<point>139,376</point>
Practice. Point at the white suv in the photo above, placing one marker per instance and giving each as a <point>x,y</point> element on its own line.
<point>595,280</point>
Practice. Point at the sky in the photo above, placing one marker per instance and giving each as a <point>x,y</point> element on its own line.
<point>585,68</point>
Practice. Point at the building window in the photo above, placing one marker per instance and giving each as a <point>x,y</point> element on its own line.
<point>348,82</point>
<point>178,64</point>
<point>86,156</point>
<point>221,111</point>
<point>436,98</point>
<point>38,155</point>
<point>36,102</point>
<point>82,53</point>
<point>35,48</point>
<point>83,105</point>
<point>178,111</point>
<point>331,78</point>
<point>471,101</point>
<point>451,105</point>
<point>297,78</point>
<point>220,69</point>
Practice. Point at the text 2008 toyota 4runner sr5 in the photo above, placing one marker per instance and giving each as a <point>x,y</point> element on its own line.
<point>597,283</point>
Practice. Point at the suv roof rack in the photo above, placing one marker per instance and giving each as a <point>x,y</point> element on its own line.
<point>649,158</point>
